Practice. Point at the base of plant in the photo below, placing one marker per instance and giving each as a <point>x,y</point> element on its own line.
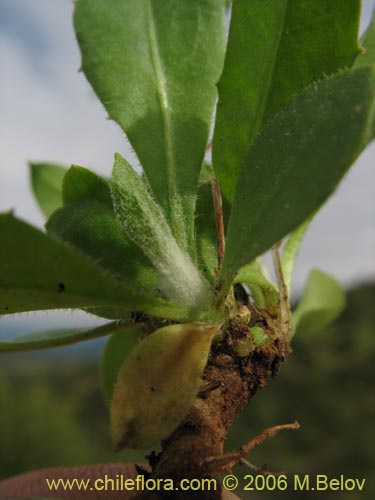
<point>196,448</point>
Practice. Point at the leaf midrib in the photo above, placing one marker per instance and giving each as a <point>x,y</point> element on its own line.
<point>262,102</point>
<point>175,208</point>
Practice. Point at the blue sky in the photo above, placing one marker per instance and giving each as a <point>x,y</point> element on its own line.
<point>48,112</point>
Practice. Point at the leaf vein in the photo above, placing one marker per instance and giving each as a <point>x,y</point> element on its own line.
<point>166,117</point>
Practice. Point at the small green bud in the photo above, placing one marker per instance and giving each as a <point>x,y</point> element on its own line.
<point>259,336</point>
<point>244,346</point>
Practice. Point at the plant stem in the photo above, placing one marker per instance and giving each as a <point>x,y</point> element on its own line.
<point>285,317</point>
<point>219,219</point>
<point>191,450</point>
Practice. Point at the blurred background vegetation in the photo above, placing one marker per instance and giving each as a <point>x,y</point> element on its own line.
<point>52,411</point>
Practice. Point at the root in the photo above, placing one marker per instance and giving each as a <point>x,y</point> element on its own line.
<point>216,465</point>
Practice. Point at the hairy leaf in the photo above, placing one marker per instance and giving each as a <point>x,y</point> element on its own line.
<point>79,182</point>
<point>116,350</point>
<point>158,383</point>
<point>144,222</point>
<point>322,301</point>
<point>275,49</point>
<point>92,227</point>
<point>154,65</point>
<point>46,181</point>
<point>297,162</point>
<point>87,222</point>
<point>40,272</point>
<point>60,337</point>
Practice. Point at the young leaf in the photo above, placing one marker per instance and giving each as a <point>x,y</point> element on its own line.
<point>117,349</point>
<point>158,383</point>
<point>275,49</point>
<point>92,227</point>
<point>322,301</point>
<point>87,222</point>
<point>148,52</point>
<point>61,337</point>
<point>144,222</point>
<point>297,162</point>
<point>39,272</point>
<point>79,182</point>
<point>46,181</point>
<point>290,251</point>
<point>263,290</point>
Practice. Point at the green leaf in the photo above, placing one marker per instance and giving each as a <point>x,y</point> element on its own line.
<point>118,313</point>
<point>322,301</point>
<point>297,162</point>
<point>60,337</point>
<point>263,290</point>
<point>92,227</point>
<point>79,182</point>
<point>144,222</point>
<point>88,223</point>
<point>206,232</point>
<point>40,272</point>
<point>290,251</point>
<point>158,383</point>
<point>154,65</point>
<point>206,235</point>
<point>275,49</point>
<point>116,350</point>
<point>207,173</point>
<point>46,181</point>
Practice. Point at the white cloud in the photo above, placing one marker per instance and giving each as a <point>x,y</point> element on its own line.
<point>47,109</point>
